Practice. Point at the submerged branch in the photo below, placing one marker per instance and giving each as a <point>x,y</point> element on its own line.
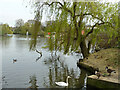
<point>39,52</point>
<point>38,58</point>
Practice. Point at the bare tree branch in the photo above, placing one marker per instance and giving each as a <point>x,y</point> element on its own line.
<point>93,16</point>
<point>90,15</point>
<point>74,9</point>
<point>62,6</point>
<point>102,22</point>
<point>74,18</point>
<point>91,31</point>
<point>46,3</point>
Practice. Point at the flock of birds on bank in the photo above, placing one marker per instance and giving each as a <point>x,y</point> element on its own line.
<point>98,74</point>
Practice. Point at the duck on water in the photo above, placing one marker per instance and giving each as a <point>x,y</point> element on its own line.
<point>14,60</point>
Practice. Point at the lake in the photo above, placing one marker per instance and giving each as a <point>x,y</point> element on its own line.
<point>30,70</point>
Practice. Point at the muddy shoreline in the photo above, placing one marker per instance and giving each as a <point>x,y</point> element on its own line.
<point>107,57</point>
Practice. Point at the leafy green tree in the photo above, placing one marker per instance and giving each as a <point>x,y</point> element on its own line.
<point>22,28</point>
<point>71,19</point>
<point>5,29</point>
<point>0,29</point>
<point>25,28</point>
<point>18,26</point>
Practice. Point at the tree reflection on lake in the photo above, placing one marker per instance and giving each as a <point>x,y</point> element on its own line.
<point>43,71</point>
<point>58,71</point>
<point>33,82</point>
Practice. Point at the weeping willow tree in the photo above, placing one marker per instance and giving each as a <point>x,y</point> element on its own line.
<point>71,19</point>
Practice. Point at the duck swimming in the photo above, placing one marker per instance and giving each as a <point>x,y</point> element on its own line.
<point>14,60</point>
<point>63,83</point>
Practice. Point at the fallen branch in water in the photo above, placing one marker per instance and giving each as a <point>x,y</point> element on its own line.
<point>39,52</point>
<point>38,58</point>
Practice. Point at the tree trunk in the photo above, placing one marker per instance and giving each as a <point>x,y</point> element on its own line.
<point>84,49</point>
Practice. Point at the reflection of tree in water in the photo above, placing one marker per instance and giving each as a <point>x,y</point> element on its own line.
<point>4,81</point>
<point>33,82</point>
<point>5,40</point>
<point>58,71</point>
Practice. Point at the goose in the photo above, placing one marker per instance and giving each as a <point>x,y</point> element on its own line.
<point>110,70</point>
<point>98,74</point>
<point>63,83</point>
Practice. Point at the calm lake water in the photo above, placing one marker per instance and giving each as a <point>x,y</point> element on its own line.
<point>32,71</point>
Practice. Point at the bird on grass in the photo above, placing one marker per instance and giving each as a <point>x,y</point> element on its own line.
<point>98,74</point>
<point>109,71</point>
<point>64,84</point>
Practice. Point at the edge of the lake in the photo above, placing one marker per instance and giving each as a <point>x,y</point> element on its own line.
<point>102,82</point>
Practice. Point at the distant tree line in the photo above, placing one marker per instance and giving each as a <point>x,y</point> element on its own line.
<point>23,28</point>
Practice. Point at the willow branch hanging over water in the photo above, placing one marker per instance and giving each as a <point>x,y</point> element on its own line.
<point>74,23</point>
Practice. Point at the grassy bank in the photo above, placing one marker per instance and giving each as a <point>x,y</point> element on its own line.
<point>106,57</point>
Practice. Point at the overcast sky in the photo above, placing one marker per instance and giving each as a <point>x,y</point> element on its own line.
<point>11,10</point>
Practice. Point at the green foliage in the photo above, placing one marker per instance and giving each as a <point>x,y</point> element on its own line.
<point>73,17</point>
<point>35,30</point>
<point>23,29</point>
<point>26,27</point>
<point>5,29</point>
<point>0,29</point>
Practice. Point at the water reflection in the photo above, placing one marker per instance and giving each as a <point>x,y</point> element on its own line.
<point>4,81</point>
<point>48,69</point>
<point>58,71</point>
<point>38,58</point>
<point>5,40</point>
<point>33,82</point>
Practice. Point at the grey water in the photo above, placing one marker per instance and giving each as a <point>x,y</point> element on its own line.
<point>32,71</point>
